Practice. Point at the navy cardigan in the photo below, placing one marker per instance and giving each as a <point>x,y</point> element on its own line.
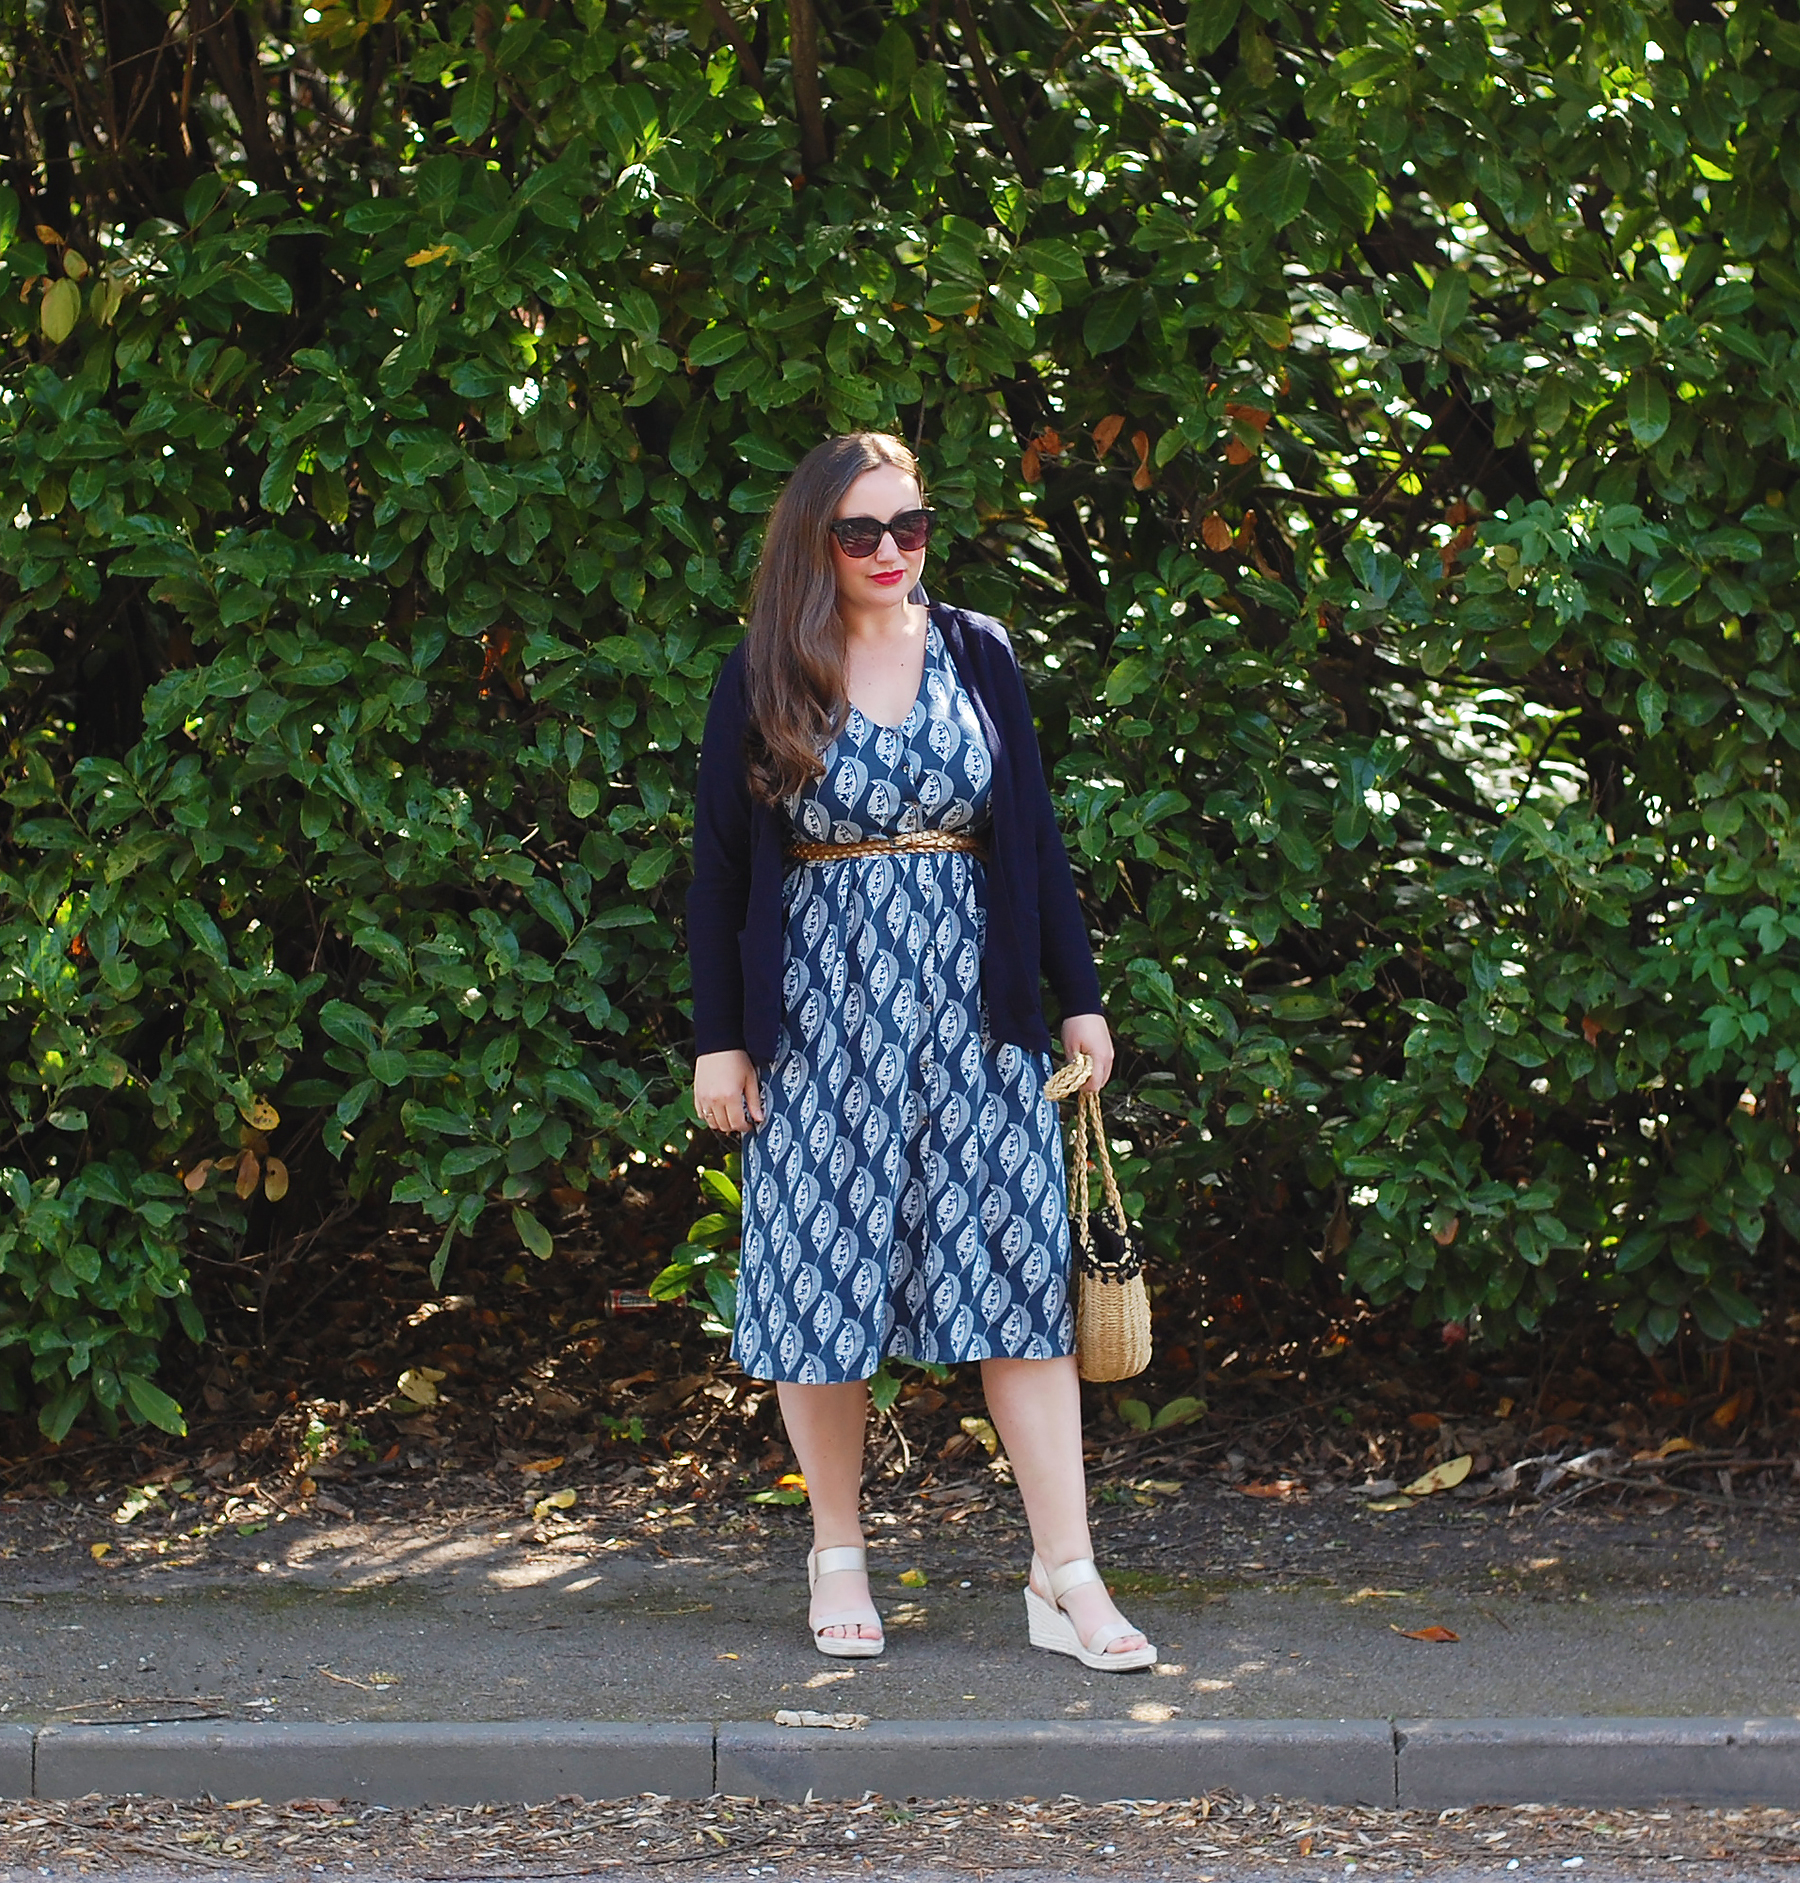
<point>734,915</point>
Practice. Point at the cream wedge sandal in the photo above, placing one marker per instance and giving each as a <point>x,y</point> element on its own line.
<point>842,1647</point>
<point>1051,1627</point>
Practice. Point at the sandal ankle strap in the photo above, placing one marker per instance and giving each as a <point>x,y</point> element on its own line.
<point>1069,1575</point>
<point>845,1556</point>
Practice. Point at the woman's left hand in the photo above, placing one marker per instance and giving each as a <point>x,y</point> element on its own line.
<point>1088,1033</point>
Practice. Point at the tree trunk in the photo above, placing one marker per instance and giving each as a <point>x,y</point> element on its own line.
<point>809,101</point>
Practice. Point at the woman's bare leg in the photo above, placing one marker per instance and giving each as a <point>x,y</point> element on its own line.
<point>1036,1405</point>
<point>825,1427</point>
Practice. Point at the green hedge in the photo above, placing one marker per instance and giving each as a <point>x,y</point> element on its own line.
<point>1376,429</point>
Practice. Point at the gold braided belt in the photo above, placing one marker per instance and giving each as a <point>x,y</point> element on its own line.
<point>885,846</point>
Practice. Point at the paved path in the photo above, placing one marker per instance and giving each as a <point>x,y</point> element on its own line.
<point>338,1622</point>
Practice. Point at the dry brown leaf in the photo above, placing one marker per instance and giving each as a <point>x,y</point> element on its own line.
<point>195,1180</point>
<point>1731,1411</point>
<point>1140,478</point>
<point>249,1172</point>
<point>1029,467</point>
<point>1215,533</point>
<point>1271,1487</point>
<point>1424,1421</point>
<point>1433,1633</point>
<point>1445,1233</point>
<point>541,1465</point>
<point>1106,433</point>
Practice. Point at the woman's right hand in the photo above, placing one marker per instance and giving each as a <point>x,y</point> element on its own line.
<point>726,1095</point>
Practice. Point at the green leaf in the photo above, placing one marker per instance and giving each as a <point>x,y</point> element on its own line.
<point>533,1234</point>
<point>153,1405</point>
<point>1448,307</point>
<point>1273,188</point>
<point>1208,24</point>
<point>59,310</point>
<point>1111,320</point>
<point>388,1066</point>
<point>1647,406</point>
<point>584,798</point>
<point>473,107</point>
<point>716,345</point>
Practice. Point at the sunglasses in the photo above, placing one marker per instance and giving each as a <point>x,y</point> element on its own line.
<point>861,536</point>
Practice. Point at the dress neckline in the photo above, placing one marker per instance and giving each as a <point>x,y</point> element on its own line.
<point>932,641</point>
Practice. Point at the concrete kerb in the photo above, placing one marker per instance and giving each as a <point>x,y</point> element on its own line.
<point>1327,1761</point>
<point>378,1762</point>
<point>1419,1763</point>
<point>1621,1762</point>
<point>17,1745</point>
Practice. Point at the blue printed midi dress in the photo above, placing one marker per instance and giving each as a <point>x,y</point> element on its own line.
<point>905,1192</point>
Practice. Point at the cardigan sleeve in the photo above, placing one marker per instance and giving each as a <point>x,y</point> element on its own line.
<point>1068,955</point>
<point>718,897</point>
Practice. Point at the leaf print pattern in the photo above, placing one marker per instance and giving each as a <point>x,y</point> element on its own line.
<point>905,1193</point>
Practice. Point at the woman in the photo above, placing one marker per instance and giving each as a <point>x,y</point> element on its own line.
<point>878,881</point>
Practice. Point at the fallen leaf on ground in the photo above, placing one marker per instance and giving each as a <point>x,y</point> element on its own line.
<point>1433,1633</point>
<point>419,1385</point>
<point>1731,1411</point>
<point>1389,1503</point>
<point>557,1500</point>
<point>912,1579</point>
<point>1667,1449</point>
<point>98,1550</point>
<point>1271,1487</point>
<point>1440,1477</point>
<point>982,1431</point>
<point>543,1464</point>
<point>1424,1421</point>
<point>1372,1595</point>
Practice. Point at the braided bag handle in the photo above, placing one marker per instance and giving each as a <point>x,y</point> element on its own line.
<point>1123,1264</point>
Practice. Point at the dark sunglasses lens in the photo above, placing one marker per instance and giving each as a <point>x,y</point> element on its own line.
<point>857,536</point>
<point>911,530</point>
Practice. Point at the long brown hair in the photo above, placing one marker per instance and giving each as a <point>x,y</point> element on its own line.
<point>794,647</point>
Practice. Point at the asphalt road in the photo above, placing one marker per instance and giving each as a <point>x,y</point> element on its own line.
<point>1271,1612</point>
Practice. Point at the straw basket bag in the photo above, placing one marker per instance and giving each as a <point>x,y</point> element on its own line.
<point>1112,1315</point>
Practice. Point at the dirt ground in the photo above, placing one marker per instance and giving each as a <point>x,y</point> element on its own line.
<point>337,1379</point>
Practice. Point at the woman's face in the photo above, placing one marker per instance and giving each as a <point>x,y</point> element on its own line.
<point>887,576</point>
